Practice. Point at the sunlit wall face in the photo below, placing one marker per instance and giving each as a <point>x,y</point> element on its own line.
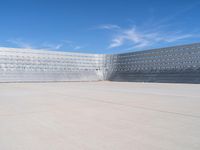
<point>35,65</point>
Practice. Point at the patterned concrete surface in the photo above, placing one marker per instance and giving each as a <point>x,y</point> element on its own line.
<point>99,116</point>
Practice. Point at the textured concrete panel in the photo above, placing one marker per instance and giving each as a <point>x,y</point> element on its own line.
<point>179,64</point>
<point>24,65</point>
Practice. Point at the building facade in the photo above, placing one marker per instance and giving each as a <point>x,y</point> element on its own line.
<point>179,64</point>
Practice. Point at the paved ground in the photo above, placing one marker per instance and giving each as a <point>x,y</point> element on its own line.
<point>99,116</point>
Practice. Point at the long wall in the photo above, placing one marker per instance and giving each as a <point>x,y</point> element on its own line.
<point>179,64</point>
<point>173,64</point>
<point>24,65</point>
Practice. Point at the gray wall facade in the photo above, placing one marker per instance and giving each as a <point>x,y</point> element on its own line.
<point>178,64</point>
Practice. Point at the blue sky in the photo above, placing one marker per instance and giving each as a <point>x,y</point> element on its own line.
<point>98,26</point>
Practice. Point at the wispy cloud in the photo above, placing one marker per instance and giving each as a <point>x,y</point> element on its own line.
<point>63,44</point>
<point>117,41</point>
<point>20,43</point>
<point>151,32</point>
<point>72,45</point>
<point>133,37</point>
<point>47,45</point>
<point>77,47</point>
<point>108,26</point>
<point>179,37</point>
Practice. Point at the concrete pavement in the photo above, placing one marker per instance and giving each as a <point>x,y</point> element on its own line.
<point>99,116</point>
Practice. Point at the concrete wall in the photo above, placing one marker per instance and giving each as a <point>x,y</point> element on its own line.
<point>179,64</point>
<point>24,65</point>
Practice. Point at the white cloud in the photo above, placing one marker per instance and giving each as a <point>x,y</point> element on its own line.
<point>72,45</point>
<point>135,38</point>
<point>77,47</point>
<point>130,36</point>
<point>20,43</point>
<point>67,44</point>
<point>108,26</point>
<point>23,44</point>
<point>116,42</point>
<point>47,45</point>
<point>178,37</point>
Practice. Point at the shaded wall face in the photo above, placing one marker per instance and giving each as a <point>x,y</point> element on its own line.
<point>24,65</point>
<point>174,64</point>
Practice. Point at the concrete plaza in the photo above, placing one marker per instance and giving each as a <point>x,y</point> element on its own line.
<point>99,116</point>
